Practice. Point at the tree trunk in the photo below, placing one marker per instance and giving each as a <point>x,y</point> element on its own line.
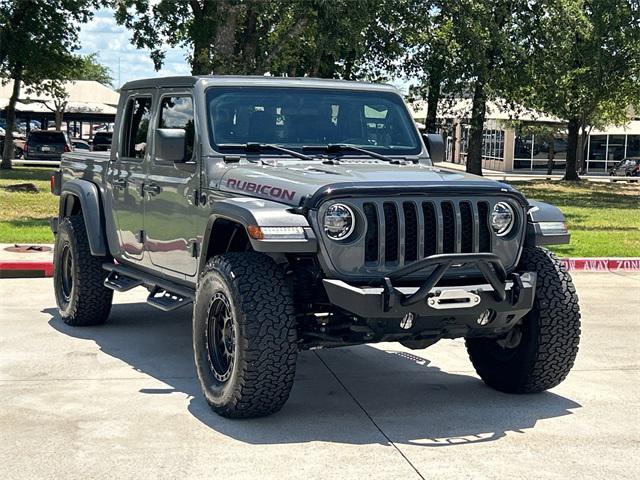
<point>433,98</point>
<point>552,155</point>
<point>202,32</point>
<point>8,152</point>
<point>474,152</point>
<point>59,114</point>
<point>572,150</point>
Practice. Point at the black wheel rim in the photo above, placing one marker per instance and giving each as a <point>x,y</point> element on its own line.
<point>66,265</point>
<point>221,341</point>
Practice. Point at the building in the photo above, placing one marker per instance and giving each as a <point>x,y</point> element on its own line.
<point>89,104</point>
<point>509,150</point>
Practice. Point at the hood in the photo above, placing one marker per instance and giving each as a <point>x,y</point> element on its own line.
<point>296,182</point>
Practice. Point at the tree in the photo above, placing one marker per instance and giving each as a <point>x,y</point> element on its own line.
<point>90,68</point>
<point>36,41</point>
<point>295,37</point>
<point>79,68</point>
<point>585,63</point>
<point>487,61</point>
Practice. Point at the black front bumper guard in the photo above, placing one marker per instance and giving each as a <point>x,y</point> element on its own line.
<point>503,292</point>
<point>484,262</point>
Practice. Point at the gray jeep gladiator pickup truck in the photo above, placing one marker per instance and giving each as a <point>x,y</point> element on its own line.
<point>299,214</point>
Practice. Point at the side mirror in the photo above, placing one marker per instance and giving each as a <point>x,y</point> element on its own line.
<point>171,145</point>
<point>435,146</point>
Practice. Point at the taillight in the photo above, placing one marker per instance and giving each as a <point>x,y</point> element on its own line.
<point>53,183</point>
<point>66,148</point>
<point>25,149</point>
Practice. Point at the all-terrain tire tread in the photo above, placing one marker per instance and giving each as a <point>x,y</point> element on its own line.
<point>557,334</point>
<point>92,304</point>
<point>268,333</point>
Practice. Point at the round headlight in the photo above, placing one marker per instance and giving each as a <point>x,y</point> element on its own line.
<point>502,218</point>
<point>339,221</point>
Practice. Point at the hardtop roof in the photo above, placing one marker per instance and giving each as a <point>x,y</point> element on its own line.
<point>255,80</point>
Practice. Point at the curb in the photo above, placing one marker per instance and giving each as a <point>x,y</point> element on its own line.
<point>34,269</point>
<point>602,264</point>
<point>26,269</point>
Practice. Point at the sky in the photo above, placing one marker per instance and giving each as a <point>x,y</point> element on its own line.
<point>112,43</point>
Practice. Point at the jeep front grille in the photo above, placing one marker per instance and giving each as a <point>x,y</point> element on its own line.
<point>400,232</point>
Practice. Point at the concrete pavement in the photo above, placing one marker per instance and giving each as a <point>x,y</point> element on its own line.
<point>122,401</point>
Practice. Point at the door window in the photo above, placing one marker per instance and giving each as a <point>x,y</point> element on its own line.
<point>136,127</point>
<point>177,112</point>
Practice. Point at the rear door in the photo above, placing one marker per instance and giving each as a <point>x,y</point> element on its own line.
<point>170,190</point>
<point>127,175</point>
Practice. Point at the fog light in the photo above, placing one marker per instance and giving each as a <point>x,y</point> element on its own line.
<point>485,317</point>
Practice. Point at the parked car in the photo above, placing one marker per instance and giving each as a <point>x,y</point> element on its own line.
<point>628,167</point>
<point>79,144</point>
<point>18,146</point>
<point>102,141</point>
<point>46,145</point>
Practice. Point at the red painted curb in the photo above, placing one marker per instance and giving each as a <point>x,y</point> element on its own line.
<point>24,269</point>
<point>33,269</point>
<point>602,264</point>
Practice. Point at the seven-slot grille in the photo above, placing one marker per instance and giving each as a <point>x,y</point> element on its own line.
<point>403,231</point>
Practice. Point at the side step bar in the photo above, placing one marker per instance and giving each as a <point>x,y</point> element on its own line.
<point>164,294</point>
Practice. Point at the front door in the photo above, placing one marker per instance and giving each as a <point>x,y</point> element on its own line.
<point>170,192</point>
<point>127,175</point>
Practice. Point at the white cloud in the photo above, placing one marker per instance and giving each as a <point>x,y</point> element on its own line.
<point>112,42</point>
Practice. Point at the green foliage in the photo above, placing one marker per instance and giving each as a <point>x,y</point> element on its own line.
<point>90,68</point>
<point>584,63</point>
<point>36,41</point>
<point>293,37</point>
<point>597,215</point>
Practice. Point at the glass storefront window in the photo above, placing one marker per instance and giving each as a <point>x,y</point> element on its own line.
<point>633,145</point>
<point>598,147</point>
<point>616,147</point>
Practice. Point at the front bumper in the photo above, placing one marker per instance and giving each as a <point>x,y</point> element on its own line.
<point>506,298</point>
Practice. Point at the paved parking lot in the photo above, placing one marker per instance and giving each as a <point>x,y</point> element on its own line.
<point>122,401</point>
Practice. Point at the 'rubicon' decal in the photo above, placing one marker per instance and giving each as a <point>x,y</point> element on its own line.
<point>268,190</point>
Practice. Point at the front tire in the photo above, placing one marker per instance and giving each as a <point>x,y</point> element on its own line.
<point>78,277</point>
<point>244,335</point>
<point>541,350</point>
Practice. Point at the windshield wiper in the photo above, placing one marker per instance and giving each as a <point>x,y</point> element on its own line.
<point>341,147</point>
<point>258,147</point>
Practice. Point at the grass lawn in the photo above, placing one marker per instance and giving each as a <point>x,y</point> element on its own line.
<point>24,217</point>
<point>604,218</point>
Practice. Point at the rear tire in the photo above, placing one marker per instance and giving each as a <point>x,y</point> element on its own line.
<point>548,335</point>
<point>78,276</point>
<point>244,335</point>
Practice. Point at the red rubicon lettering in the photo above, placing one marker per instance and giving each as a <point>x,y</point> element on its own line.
<point>267,190</point>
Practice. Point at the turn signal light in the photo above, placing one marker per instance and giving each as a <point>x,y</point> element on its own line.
<point>276,233</point>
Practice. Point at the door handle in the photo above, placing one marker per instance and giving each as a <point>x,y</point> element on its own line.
<point>119,183</point>
<point>151,188</point>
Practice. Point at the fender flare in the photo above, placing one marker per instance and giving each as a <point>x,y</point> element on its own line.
<point>263,213</point>
<point>88,195</point>
<point>541,212</point>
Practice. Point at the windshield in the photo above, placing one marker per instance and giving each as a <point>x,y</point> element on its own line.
<point>297,117</point>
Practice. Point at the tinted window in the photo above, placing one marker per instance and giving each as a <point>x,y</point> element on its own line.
<point>47,137</point>
<point>298,117</point>
<point>101,137</point>
<point>80,145</point>
<point>177,112</point>
<point>136,127</point>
